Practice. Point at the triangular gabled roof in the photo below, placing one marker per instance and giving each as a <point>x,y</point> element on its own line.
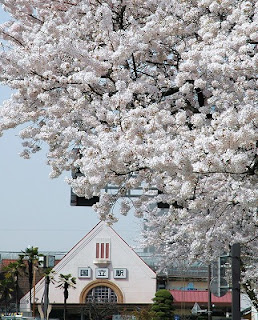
<point>139,285</point>
<point>93,233</point>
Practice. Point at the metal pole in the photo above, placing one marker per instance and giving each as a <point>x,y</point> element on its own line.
<point>209,293</point>
<point>235,254</point>
<point>34,293</point>
<point>82,314</point>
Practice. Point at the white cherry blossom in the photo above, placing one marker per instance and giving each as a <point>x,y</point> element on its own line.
<point>151,93</point>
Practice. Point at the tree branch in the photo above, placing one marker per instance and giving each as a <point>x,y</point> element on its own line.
<point>96,92</point>
<point>37,19</point>
<point>200,97</point>
<point>169,92</point>
<point>221,172</point>
<point>121,18</point>
<point>134,66</point>
<point>190,107</point>
<point>129,172</point>
<point>15,40</point>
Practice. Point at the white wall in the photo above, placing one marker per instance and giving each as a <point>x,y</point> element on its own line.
<point>138,287</point>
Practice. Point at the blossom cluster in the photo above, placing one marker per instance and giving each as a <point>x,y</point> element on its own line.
<point>152,94</point>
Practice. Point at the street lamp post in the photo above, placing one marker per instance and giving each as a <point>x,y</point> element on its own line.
<point>235,255</point>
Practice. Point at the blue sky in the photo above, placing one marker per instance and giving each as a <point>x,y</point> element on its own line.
<point>34,209</point>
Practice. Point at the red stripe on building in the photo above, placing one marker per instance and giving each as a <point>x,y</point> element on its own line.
<point>107,250</point>
<point>97,250</point>
<point>102,251</point>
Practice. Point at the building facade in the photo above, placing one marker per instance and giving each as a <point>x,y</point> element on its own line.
<point>107,271</point>
<point>112,278</point>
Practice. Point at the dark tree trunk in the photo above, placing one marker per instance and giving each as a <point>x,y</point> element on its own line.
<point>30,278</point>
<point>46,294</point>
<point>17,293</point>
<point>65,299</point>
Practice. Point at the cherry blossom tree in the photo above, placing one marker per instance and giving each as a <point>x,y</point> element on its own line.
<point>150,93</point>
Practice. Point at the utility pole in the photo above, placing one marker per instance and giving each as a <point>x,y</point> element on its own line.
<point>235,255</point>
<point>209,293</point>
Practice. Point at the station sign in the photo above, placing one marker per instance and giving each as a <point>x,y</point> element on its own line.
<point>84,272</point>
<point>120,273</point>
<point>102,273</point>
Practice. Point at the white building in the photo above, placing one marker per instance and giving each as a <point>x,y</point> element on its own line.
<point>247,308</point>
<point>106,270</point>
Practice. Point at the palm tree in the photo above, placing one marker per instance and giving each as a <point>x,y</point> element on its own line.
<point>32,255</point>
<point>66,281</point>
<point>49,277</point>
<point>6,290</point>
<point>14,270</point>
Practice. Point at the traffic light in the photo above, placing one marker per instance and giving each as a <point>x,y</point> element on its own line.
<point>219,285</point>
<point>222,265</point>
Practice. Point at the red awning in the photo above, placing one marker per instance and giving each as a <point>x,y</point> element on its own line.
<point>193,296</point>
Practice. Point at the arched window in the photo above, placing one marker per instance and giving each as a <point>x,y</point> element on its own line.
<point>101,294</point>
